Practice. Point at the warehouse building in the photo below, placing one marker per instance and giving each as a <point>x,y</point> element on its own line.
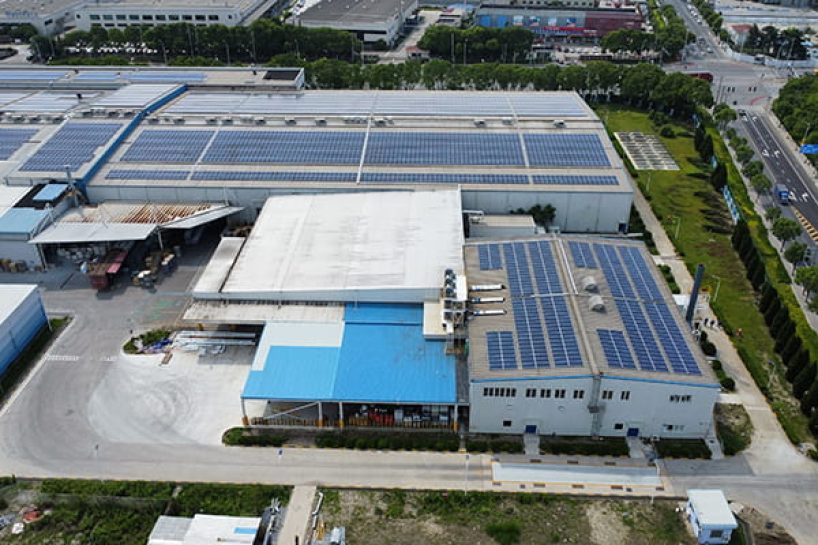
<point>577,336</point>
<point>504,150</point>
<point>22,317</point>
<point>370,21</point>
<point>555,21</point>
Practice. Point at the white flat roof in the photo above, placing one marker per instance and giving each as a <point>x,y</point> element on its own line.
<point>11,296</point>
<point>332,247</point>
<point>711,508</point>
<point>215,530</point>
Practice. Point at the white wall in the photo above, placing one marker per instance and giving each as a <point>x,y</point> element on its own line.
<point>20,250</point>
<point>647,408</point>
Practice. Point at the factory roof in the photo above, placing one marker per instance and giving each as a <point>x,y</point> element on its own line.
<point>376,354</point>
<point>386,247</point>
<point>570,305</point>
<point>21,221</point>
<point>11,296</point>
<point>204,530</point>
<point>353,11</point>
<point>711,508</point>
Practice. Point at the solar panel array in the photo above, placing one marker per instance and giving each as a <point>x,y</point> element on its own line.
<point>31,75</point>
<point>448,178</point>
<point>72,146</point>
<point>433,148</point>
<point>287,147</point>
<point>565,150</point>
<point>533,354</point>
<point>653,331</point>
<point>616,349</point>
<point>273,176</point>
<point>561,335</point>
<point>168,146</point>
<point>12,139</point>
<point>545,269</point>
<point>134,174</point>
<point>581,252</point>
<point>154,76</point>
<point>489,255</point>
<point>574,180</point>
<point>519,275</point>
<point>500,345</point>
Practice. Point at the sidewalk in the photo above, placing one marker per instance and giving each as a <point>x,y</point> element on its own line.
<point>297,517</point>
<point>771,450</point>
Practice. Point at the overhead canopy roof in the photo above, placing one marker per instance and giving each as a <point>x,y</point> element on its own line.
<point>81,233</point>
<point>377,246</point>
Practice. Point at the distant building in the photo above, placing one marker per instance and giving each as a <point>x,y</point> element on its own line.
<point>369,21</point>
<point>739,33</point>
<point>710,516</point>
<point>550,21</point>
<point>207,530</point>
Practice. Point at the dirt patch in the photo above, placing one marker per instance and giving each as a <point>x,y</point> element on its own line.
<point>607,527</point>
<point>765,531</point>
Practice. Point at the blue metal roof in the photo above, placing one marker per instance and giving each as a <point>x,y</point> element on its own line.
<point>50,192</point>
<point>21,221</point>
<point>383,358</point>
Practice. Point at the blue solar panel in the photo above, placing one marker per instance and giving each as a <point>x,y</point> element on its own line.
<point>565,150</point>
<point>30,75</point>
<point>648,355</point>
<point>286,147</point>
<point>614,273</point>
<point>500,346</point>
<point>101,75</point>
<point>670,336</point>
<point>646,287</point>
<point>616,349</point>
<point>164,76</point>
<point>581,252</point>
<point>560,330</point>
<point>530,337</point>
<point>134,174</point>
<point>519,276</point>
<point>433,148</point>
<point>489,255</point>
<point>435,178</point>
<point>575,180</point>
<point>12,139</point>
<point>168,146</point>
<point>545,269</point>
<point>72,146</point>
<point>274,176</point>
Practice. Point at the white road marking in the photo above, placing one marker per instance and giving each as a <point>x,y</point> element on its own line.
<point>805,196</point>
<point>58,357</point>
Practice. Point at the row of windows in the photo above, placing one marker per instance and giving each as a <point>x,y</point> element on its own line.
<point>557,393</point>
<point>158,17</point>
<point>681,399</point>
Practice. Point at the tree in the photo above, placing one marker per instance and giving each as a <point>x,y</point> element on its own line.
<point>807,278</point>
<point>772,213</point>
<point>719,176</point>
<point>795,253</point>
<point>785,230</point>
<point>724,115</point>
<point>762,184</point>
<point>752,168</point>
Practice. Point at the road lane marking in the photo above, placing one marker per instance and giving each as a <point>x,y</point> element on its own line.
<point>59,357</point>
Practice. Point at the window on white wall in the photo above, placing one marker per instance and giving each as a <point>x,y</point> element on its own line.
<point>579,394</point>
<point>619,426</point>
<point>607,394</point>
<point>506,423</point>
<point>559,394</point>
<point>625,395</point>
<point>545,393</point>
<point>530,392</point>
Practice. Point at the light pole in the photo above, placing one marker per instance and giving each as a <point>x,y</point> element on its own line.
<point>466,476</point>
<point>678,222</point>
<point>718,286</point>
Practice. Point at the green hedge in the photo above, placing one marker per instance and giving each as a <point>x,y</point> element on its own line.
<point>252,437</point>
<point>133,489</point>
<point>494,444</point>
<point>392,440</point>
<point>682,448</point>
<point>237,500</point>
<point>608,446</point>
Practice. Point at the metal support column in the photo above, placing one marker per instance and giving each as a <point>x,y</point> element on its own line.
<point>320,416</point>
<point>341,414</point>
<point>244,420</point>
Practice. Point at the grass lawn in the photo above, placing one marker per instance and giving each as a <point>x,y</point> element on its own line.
<point>686,199</point>
<point>396,517</point>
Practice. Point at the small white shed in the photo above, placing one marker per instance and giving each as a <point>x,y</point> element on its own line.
<point>710,516</point>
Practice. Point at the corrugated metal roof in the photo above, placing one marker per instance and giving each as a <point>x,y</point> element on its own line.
<point>76,233</point>
<point>382,357</point>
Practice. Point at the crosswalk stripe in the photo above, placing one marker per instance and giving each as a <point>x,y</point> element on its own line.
<point>808,227</point>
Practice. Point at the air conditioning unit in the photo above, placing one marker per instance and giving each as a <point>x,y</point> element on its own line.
<point>212,120</point>
<point>559,123</point>
<point>479,122</point>
<point>320,121</point>
<point>153,120</point>
<point>227,121</point>
<point>289,121</point>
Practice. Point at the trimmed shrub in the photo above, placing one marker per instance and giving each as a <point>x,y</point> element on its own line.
<point>504,532</point>
<point>728,383</point>
<point>682,448</point>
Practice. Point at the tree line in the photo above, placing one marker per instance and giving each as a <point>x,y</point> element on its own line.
<point>478,44</point>
<point>255,43</point>
<point>778,44</point>
<point>797,108</point>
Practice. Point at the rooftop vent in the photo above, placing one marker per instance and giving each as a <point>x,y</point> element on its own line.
<point>589,283</point>
<point>596,303</point>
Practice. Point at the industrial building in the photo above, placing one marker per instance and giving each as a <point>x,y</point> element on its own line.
<point>51,17</point>
<point>369,21</point>
<point>22,317</point>
<point>504,150</point>
<point>578,336</point>
<point>556,21</point>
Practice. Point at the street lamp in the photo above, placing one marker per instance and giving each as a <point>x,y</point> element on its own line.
<point>466,475</point>
<point>678,221</point>
<point>718,286</point>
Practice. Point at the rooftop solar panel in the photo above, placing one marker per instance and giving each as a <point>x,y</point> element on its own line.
<point>447,178</point>
<point>545,269</point>
<point>168,146</point>
<point>500,346</point>
<point>431,148</point>
<point>530,337</point>
<point>489,256</point>
<point>12,139</point>
<point>155,174</point>
<point>569,179</point>
<point>616,349</point>
<point>581,252</point>
<point>72,146</point>
<point>286,147</point>
<point>519,275</point>
<point>565,150</point>
<point>274,176</point>
<point>560,329</point>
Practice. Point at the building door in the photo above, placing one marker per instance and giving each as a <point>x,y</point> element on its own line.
<point>531,429</point>
<point>633,432</point>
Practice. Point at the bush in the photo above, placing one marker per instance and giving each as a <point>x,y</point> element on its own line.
<point>493,443</point>
<point>228,499</point>
<point>682,448</point>
<point>251,437</point>
<point>504,532</point>
<point>709,349</point>
<point>129,489</point>
<point>397,440</point>
<point>581,446</point>
<point>716,365</point>
<point>728,383</point>
<point>667,132</point>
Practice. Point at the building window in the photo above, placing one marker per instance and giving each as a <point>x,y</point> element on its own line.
<point>530,392</point>
<point>108,17</point>
<point>674,427</point>
<point>160,17</point>
<point>506,423</point>
<point>94,17</point>
<point>485,392</point>
<point>716,533</point>
<point>173,17</point>
<point>212,17</point>
<point>187,17</point>
<point>133,17</point>
<point>545,393</point>
<point>681,398</point>
<point>79,16</point>
<point>607,394</point>
<point>200,17</point>
<point>579,394</point>
<point>619,426</point>
<point>625,395</point>
<point>147,17</point>
<point>559,394</point>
